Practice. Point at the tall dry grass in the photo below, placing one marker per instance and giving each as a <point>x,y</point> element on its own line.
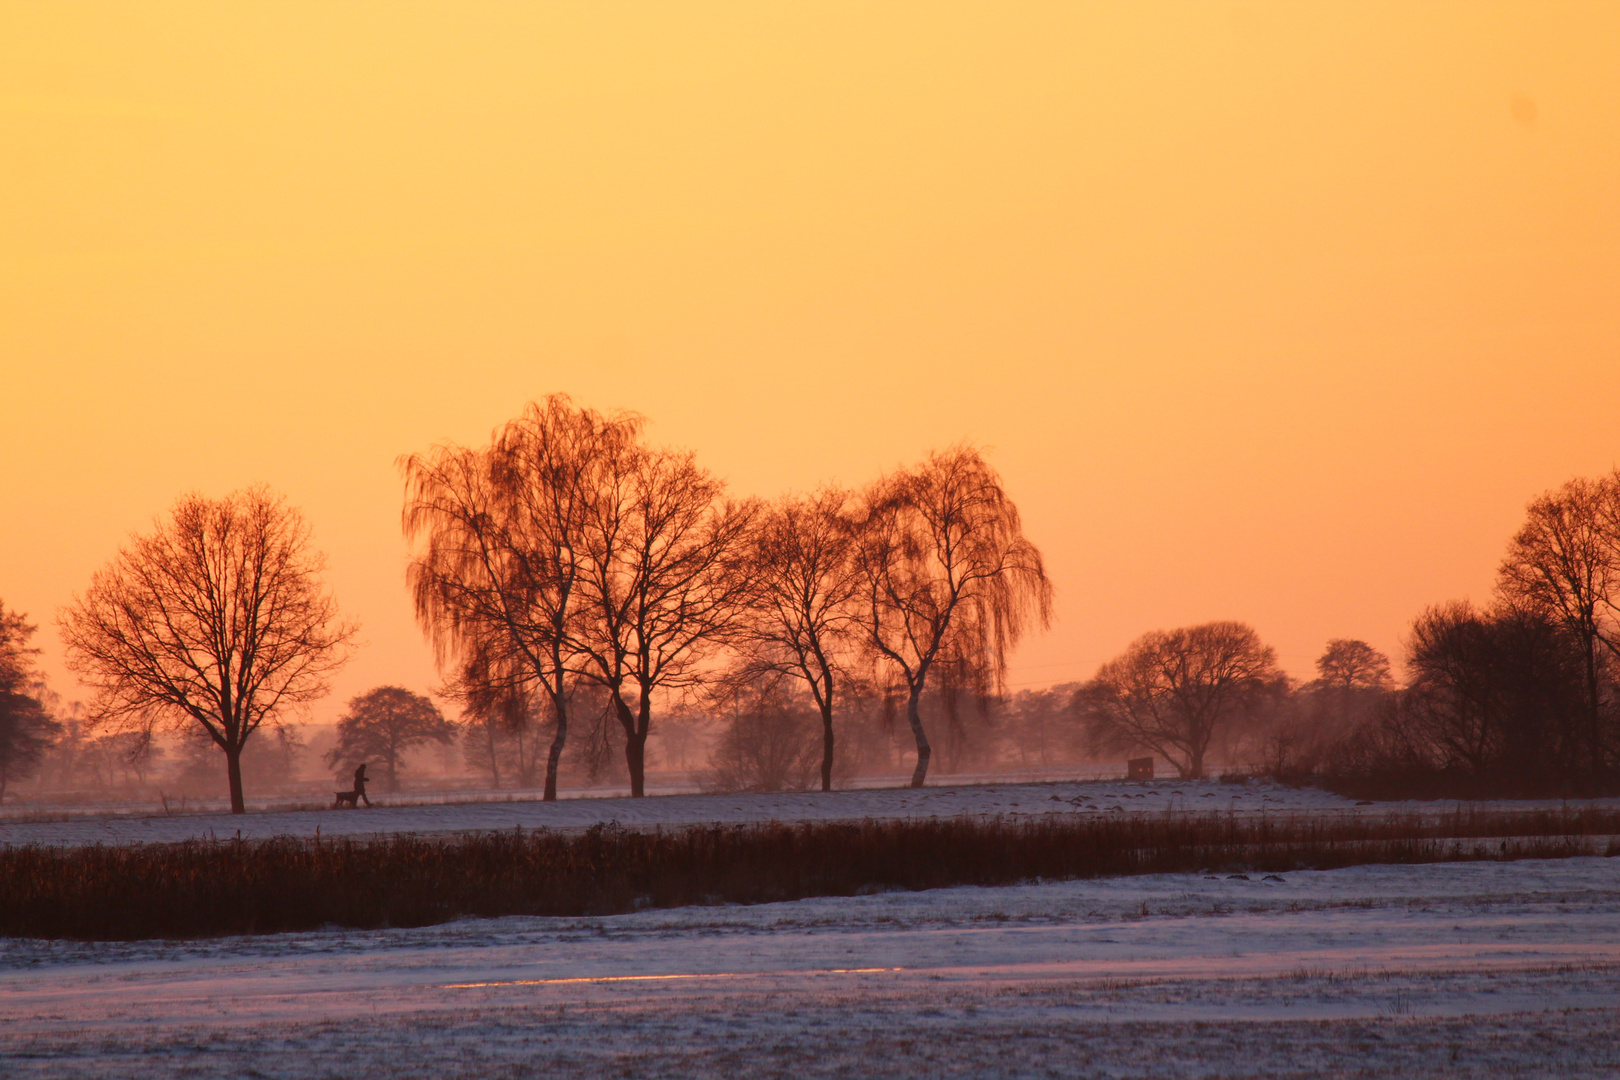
<point>201,888</point>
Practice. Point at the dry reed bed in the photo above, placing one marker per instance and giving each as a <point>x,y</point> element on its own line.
<point>201,888</point>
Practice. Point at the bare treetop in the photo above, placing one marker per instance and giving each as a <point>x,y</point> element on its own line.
<point>666,554</point>
<point>1348,664</point>
<point>1565,559</point>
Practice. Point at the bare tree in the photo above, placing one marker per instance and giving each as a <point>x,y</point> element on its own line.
<point>802,617</point>
<point>1565,562</point>
<point>382,724</point>
<point>946,577</point>
<point>502,547</point>
<point>664,586</point>
<point>215,620</point>
<point>1173,691</point>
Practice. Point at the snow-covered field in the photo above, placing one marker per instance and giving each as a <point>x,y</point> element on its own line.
<point>1011,799</point>
<point>1463,969</point>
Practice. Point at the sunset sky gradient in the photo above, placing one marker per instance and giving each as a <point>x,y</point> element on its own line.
<point>1272,312</point>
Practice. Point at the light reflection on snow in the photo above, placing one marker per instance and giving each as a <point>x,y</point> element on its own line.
<point>664,978</point>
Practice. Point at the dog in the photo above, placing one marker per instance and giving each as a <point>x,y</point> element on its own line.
<point>350,797</point>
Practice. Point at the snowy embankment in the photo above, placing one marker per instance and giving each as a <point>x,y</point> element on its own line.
<point>1014,800</point>
<point>1476,969</point>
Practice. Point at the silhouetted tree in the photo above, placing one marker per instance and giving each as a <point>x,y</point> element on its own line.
<point>1497,693</point>
<point>946,577</point>
<point>503,548</point>
<point>496,712</point>
<point>1173,691</point>
<point>1348,665</point>
<point>381,725</point>
<point>665,582</point>
<point>26,728</point>
<point>801,616</point>
<point>27,731</point>
<point>481,744</point>
<point>216,619</point>
<point>1353,682</point>
<point>16,654</point>
<point>1564,562</point>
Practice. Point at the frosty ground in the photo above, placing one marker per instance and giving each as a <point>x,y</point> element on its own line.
<point>1462,969</point>
<point>1008,799</point>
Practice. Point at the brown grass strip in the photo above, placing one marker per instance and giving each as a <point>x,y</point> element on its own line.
<point>205,888</point>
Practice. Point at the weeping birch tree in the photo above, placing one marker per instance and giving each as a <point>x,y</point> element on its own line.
<point>946,578</point>
<point>501,551</point>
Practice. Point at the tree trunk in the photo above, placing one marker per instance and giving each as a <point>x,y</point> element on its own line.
<point>914,717</point>
<point>494,754</point>
<point>635,757</point>
<point>1195,764</point>
<point>1594,711</point>
<point>559,706</point>
<point>391,781</point>
<point>826,745</point>
<point>635,743</point>
<point>825,700</point>
<point>233,773</point>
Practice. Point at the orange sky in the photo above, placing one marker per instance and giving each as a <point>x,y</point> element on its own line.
<point>1269,312</point>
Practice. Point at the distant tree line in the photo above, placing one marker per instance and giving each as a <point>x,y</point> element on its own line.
<point>1516,697</point>
<point>1519,695</point>
<point>581,585</point>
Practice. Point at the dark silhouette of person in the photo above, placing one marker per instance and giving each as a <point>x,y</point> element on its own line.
<point>360,783</point>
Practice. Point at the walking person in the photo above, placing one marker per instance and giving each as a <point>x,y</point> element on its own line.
<point>360,784</point>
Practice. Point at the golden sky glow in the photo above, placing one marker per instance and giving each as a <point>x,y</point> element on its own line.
<point>1276,312</point>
